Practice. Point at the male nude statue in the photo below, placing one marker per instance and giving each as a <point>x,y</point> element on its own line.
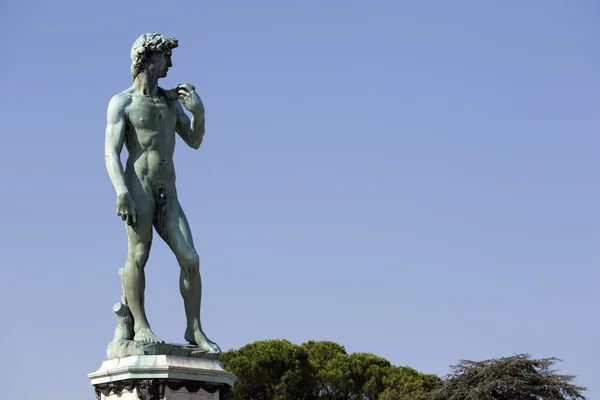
<point>145,118</point>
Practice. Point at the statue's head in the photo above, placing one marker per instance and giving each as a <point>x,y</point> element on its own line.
<point>152,50</point>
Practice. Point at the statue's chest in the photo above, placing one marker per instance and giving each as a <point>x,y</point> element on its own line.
<point>152,116</point>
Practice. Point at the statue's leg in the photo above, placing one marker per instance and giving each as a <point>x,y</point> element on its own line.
<point>134,280</point>
<point>173,227</point>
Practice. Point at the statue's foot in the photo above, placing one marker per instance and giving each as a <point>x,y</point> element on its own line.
<point>197,337</point>
<point>147,336</point>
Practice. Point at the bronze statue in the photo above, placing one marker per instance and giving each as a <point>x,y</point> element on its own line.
<point>145,118</point>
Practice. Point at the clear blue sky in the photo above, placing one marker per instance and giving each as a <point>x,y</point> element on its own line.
<point>417,179</point>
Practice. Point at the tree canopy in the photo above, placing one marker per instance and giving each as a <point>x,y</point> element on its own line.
<point>511,378</point>
<point>278,369</point>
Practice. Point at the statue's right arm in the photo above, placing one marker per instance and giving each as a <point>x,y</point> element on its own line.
<point>113,144</point>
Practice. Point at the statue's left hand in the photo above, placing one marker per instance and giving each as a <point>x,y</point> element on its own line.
<point>189,98</point>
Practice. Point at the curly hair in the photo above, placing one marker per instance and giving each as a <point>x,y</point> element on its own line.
<point>147,44</point>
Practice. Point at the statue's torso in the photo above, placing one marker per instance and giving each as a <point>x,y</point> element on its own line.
<point>150,139</point>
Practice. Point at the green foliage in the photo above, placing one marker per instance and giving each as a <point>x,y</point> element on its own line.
<point>512,378</point>
<point>278,369</point>
<point>368,372</point>
<point>405,383</point>
<point>331,368</point>
<point>269,370</point>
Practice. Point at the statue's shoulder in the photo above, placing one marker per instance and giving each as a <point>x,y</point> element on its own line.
<point>170,95</point>
<point>120,100</point>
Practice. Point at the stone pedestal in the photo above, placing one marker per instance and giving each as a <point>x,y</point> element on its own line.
<point>162,377</point>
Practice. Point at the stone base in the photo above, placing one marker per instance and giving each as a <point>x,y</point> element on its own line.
<point>161,392</point>
<point>155,389</point>
<point>162,377</point>
<point>127,348</point>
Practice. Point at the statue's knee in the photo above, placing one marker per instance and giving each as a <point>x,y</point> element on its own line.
<point>140,253</point>
<point>190,261</point>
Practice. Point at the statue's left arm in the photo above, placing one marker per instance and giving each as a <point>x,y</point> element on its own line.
<point>192,132</point>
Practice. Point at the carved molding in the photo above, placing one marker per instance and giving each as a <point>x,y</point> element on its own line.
<point>154,389</point>
<point>150,389</point>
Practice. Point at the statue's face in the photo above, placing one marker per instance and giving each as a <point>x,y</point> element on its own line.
<point>161,62</point>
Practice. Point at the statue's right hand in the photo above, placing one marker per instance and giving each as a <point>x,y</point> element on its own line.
<point>126,208</point>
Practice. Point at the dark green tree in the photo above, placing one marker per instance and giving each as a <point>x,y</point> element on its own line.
<point>368,372</point>
<point>269,370</point>
<point>278,369</point>
<point>331,366</point>
<point>405,383</point>
<point>511,378</point>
